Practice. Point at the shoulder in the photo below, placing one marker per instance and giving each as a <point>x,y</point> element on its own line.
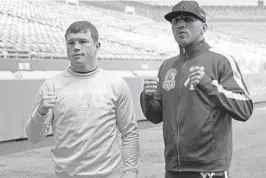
<point>57,75</point>
<point>115,80</point>
<point>113,77</point>
<point>51,80</point>
<point>170,60</point>
<point>222,55</point>
<point>168,63</point>
<point>226,59</point>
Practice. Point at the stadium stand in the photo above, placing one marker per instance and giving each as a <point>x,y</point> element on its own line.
<point>157,9</point>
<point>33,30</point>
<point>235,13</point>
<point>237,38</point>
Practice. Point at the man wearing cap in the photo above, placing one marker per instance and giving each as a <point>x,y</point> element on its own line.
<point>197,95</point>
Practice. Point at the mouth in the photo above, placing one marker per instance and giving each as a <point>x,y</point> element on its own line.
<point>182,33</point>
<point>78,55</point>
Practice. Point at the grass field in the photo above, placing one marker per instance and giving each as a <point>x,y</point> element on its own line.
<point>249,159</point>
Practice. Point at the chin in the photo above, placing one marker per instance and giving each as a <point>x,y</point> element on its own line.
<point>78,63</point>
<point>79,60</point>
<point>182,42</point>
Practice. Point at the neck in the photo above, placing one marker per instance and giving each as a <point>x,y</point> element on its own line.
<point>193,44</point>
<point>193,49</point>
<point>83,70</point>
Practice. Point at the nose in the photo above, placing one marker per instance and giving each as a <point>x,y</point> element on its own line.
<point>76,46</point>
<point>181,24</point>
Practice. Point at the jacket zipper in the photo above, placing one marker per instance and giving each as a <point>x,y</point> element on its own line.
<point>178,112</point>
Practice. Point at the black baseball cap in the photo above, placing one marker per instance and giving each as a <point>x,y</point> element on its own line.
<point>189,7</point>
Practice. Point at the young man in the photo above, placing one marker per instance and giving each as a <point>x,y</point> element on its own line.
<point>198,93</point>
<point>88,109</point>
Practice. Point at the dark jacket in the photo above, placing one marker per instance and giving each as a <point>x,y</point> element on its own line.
<point>197,121</point>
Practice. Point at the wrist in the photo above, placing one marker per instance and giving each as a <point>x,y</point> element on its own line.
<point>206,80</point>
<point>41,112</point>
<point>40,117</point>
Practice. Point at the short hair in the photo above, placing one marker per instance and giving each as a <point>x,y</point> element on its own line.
<point>79,26</point>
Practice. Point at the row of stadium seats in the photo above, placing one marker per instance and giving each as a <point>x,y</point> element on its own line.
<point>235,13</point>
<point>42,28</point>
<point>231,8</point>
<point>215,12</point>
<point>34,27</point>
<point>34,30</point>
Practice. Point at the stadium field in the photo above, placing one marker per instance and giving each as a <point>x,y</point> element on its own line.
<point>23,160</point>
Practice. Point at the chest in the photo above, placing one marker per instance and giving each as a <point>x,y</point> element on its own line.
<point>82,99</point>
<point>175,76</point>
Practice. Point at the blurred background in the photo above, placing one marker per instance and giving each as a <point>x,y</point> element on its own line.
<point>134,34</point>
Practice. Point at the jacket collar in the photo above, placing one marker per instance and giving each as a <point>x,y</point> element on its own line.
<point>193,50</point>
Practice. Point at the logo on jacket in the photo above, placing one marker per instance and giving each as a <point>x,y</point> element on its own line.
<point>169,81</point>
<point>207,175</point>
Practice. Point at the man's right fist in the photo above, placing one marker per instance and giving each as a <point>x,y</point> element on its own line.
<point>47,102</point>
<point>150,86</point>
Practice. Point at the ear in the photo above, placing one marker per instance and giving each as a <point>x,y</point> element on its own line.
<point>98,45</point>
<point>204,28</point>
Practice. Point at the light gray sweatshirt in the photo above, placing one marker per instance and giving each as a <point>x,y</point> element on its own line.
<point>92,114</point>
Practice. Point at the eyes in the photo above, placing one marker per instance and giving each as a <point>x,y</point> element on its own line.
<point>186,19</point>
<point>82,41</point>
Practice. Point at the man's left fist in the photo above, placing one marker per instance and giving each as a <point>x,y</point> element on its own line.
<point>195,74</point>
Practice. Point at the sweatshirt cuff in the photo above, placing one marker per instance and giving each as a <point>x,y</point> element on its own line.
<point>205,83</point>
<point>40,119</point>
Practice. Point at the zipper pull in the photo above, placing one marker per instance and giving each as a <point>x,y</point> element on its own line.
<point>185,54</point>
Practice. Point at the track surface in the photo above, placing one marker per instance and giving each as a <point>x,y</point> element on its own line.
<point>24,160</point>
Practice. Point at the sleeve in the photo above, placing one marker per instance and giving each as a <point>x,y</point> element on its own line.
<point>128,126</point>
<point>230,92</point>
<point>38,126</point>
<point>151,106</point>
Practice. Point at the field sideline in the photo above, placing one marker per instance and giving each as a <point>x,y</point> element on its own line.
<point>249,159</point>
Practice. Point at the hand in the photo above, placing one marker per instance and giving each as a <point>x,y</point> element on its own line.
<point>47,102</point>
<point>150,86</point>
<point>196,74</point>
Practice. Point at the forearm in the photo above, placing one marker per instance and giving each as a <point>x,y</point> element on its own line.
<point>128,127</point>
<point>37,127</point>
<point>131,149</point>
<point>237,104</point>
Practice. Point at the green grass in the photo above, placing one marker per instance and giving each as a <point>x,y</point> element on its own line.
<point>249,158</point>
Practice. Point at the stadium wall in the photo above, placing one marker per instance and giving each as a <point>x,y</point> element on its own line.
<point>51,65</point>
<point>18,92</point>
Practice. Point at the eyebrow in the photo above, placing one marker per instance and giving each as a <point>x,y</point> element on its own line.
<point>78,38</point>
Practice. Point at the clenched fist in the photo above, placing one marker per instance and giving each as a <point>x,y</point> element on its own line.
<point>150,86</point>
<point>195,75</point>
<point>47,102</point>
